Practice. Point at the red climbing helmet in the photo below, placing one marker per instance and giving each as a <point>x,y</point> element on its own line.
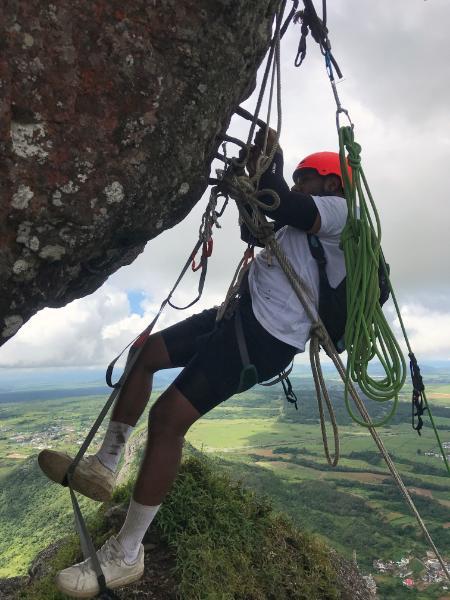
<point>325,163</point>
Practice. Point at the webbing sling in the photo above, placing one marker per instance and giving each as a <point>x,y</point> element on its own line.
<point>249,373</point>
<point>87,547</point>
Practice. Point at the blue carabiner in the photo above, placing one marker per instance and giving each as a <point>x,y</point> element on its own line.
<point>329,66</point>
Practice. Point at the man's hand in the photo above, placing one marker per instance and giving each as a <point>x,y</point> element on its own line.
<point>271,139</point>
<point>256,151</point>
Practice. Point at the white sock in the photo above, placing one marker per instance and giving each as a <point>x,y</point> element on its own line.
<point>137,522</point>
<point>114,442</point>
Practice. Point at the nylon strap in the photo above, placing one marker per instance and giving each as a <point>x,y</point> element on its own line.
<point>142,338</point>
<point>137,345</point>
<point>88,550</point>
<point>249,373</point>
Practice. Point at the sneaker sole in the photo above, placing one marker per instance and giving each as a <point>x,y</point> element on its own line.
<point>55,464</point>
<point>112,586</point>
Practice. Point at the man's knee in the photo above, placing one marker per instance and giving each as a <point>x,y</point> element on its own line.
<point>172,414</point>
<point>154,356</point>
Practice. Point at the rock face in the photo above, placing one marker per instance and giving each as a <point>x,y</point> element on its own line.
<point>109,116</point>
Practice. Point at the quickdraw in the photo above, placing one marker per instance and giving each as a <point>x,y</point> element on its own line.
<point>207,249</point>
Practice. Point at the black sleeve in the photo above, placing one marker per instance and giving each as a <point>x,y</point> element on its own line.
<point>297,210</point>
<point>248,238</point>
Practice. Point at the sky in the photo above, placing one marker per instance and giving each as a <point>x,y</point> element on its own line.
<point>396,86</point>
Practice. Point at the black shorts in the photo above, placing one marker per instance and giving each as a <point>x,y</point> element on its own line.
<point>211,359</point>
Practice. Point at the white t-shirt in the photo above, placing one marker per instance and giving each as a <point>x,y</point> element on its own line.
<point>274,302</point>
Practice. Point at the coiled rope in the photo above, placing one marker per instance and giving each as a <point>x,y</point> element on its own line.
<point>367,333</point>
<point>395,370</point>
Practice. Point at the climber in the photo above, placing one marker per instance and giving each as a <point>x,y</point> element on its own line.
<point>275,328</point>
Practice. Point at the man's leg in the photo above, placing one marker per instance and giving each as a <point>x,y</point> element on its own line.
<point>169,420</point>
<point>95,475</point>
<point>132,400</point>
<point>136,391</point>
<point>122,557</point>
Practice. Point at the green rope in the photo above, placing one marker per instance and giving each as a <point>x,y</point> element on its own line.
<point>424,396</point>
<point>367,333</point>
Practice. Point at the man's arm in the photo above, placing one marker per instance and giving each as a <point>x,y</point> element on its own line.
<point>248,238</point>
<point>295,209</point>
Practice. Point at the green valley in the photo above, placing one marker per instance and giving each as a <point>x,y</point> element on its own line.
<point>271,448</point>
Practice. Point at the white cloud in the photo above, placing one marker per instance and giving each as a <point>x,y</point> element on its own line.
<point>427,330</point>
<point>69,336</point>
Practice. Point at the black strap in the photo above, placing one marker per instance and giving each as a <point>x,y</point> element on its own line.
<point>136,348</point>
<point>289,392</point>
<point>142,338</point>
<point>204,268</point>
<point>311,22</point>
<point>417,400</point>
<point>316,249</point>
<point>318,253</point>
<point>87,548</point>
<point>249,373</point>
<point>240,337</point>
<point>283,375</point>
<point>289,18</point>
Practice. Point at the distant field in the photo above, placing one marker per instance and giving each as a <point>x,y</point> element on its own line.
<point>355,507</point>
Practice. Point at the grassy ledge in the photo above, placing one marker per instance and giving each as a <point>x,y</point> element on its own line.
<point>228,543</point>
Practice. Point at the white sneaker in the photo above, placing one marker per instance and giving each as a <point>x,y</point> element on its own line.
<point>80,581</point>
<point>91,478</point>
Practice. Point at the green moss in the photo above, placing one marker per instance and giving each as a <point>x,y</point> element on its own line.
<point>68,554</point>
<point>44,589</point>
<point>230,544</point>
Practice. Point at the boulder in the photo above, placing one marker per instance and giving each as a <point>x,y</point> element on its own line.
<point>109,120</point>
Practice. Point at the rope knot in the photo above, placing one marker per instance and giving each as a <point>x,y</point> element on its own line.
<point>350,233</point>
<point>264,232</point>
<point>352,147</point>
<point>354,159</point>
<point>245,184</point>
<point>317,332</point>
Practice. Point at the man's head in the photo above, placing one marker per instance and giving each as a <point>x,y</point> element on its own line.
<point>319,174</point>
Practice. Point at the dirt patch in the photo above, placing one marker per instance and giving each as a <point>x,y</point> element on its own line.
<point>420,492</point>
<point>262,451</point>
<point>438,395</point>
<point>363,477</point>
<point>393,516</point>
<point>16,455</point>
<point>446,525</point>
<point>277,464</point>
<point>269,452</point>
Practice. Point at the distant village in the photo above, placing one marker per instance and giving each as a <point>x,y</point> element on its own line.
<point>437,453</point>
<point>432,573</point>
<point>46,438</point>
